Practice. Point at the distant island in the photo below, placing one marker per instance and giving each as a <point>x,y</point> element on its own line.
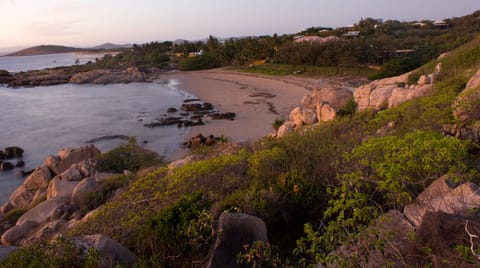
<point>56,49</point>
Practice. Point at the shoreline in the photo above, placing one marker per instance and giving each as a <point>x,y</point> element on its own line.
<point>257,100</point>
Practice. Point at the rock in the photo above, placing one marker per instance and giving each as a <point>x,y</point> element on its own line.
<point>5,252</point>
<point>440,196</point>
<point>438,68</point>
<point>296,117</point>
<point>172,110</point>
<point>394,230</point>
<point>40,196</point>
<point>44,212</point>
<point>326,113</point>
<point>234,231</point>
<point>285,129</point>
<point>68,157</point>
<point>51,162</point>
<point>24,173</point>
<point>20,163</point>
<point>210,140</point>
<point>39,179</point>
<point>423,80</point>
<point>21,198</point>
<point>61,189</point>
<point>465,107</point>
<point>191,107</point>
<point>18,232</point>
<point>82,190</point>
<point>6,166</point>
<point>3,156</point>
<point>111,252</point>
<point>221,116</point>
<point>106,76</point>
<point>45,232</point>
<point>6,208</point>
<point>87,168</point>
<point>13,152</point>
<point>308,117</point>
<point>474,81</point>
<point>72,174</point>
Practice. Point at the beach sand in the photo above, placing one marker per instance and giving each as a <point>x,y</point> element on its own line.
<point>256,100</point>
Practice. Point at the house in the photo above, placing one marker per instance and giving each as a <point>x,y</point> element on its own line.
<point>316,39</point>
<point>441,24</point>
<point>352,34</point>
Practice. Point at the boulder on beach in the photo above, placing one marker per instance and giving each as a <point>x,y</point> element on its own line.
<point>13,152</point>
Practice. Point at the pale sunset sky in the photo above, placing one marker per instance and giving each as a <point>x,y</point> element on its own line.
<point>92,22</point>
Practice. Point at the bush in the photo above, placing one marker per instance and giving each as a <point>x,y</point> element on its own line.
<point>127,156</point>
<point>183,228</point>
<point>349,108</point>
<point>278,123</point>
<point>61,252</point>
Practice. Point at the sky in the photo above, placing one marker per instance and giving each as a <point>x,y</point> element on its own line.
<point>86,23</point>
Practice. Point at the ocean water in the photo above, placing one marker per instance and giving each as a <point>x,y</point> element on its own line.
<point>43,120</point>
<point>26,63</point>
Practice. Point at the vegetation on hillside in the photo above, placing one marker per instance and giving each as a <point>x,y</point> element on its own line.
<point>317,190</point>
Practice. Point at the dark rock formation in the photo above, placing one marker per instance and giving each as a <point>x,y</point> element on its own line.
<point>235,230</point>
<point>5,166</point>
<point>13,152</point>
<point>220,116</point>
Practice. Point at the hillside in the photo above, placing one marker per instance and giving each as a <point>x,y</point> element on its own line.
<point>327,194</point>
<point>45,49</point>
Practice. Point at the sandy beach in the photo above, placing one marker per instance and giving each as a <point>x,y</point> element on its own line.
<point>257,100</point>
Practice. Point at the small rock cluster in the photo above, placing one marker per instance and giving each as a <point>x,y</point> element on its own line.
<point>199,140</point>
<point>320,106</point>
<point>52,194</point>
<point>192,113</point>
<point>393,91</point>
<point>442,200</point>
<point>8,154</point>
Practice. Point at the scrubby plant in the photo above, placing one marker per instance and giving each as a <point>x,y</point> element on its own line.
<point>60,252</point>
<point>277,123</point>
<point>129,156</point>
<point>383,173</point>
<point>183,228</point>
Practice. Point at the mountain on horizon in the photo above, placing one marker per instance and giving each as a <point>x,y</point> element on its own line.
<point>111,46</point>
<point>45,49</point>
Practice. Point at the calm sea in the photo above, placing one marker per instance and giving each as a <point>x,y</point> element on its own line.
<point>43,120</point>
<point>26,63</point>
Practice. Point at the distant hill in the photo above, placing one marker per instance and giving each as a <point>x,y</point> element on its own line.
<point>111,46</point>
<point>45,49</point>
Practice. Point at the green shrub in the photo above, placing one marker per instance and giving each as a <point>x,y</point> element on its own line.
<point>278,123</point>
<point>349,108</point>
<point>183,228</point>
<point>127,156</point>
<point>61,252</point>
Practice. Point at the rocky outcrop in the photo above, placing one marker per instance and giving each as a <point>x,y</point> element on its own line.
<point>391,92</point>
<point>320,106</point>
<point>40,78</point>
<point>235,230</point>
<point>111,253</point>
<point>58,189</point>
<point>466,110</point>
<point>393,229</point>
<point>443,196</point>
<point>108,76</point>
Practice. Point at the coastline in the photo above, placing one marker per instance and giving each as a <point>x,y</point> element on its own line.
<point>257,100</point>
